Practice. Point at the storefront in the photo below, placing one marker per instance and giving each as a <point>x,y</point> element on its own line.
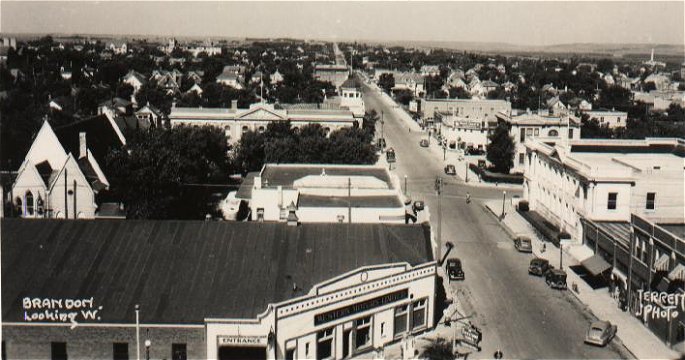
<point>360,311</point>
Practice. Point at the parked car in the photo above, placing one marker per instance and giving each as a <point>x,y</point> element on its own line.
<point>419,205</point>
<point>523,244</point>
<point>539,266</point>
<point>556,279</point>
<point>423,143</point>
<point>230,206</point>
<point>454,270</point>
<point>600,333</point>
<point>381,143</point>
<point>450,170</point>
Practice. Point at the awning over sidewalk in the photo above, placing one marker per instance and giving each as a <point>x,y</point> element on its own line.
<point>661,264</point>
<point>595,265</point>
<point>678,273</point>
<point>580,252</point>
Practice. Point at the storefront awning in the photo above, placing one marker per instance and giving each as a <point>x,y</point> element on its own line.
<point>678,273</point>
<point>580,252</point>
<point>661,264</point>
<point>595,265</point>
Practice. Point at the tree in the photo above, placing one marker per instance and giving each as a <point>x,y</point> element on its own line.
<point>590,128</point>
<point>676,113</point>
<point>501,149</point>
<point>124,91</point>
<point>386,82</point>
<point>152,173</point>
<point>437,349</point>
<point>404,96</point>
<point>369,122</point>
<point>649,86</point>
<point>459,93</point>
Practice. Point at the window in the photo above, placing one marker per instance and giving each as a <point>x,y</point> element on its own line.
<point>537,132</point>
<point>529,132</point>
<point>651,198</point>
<point>382,329</point>
<point>306,349</point>
<point>324,346</point>
<point>418,315</point>
<point>553,133</point>
<point>58,351</point>
<point>120,351</point>
<point>611,202</point>
<point>400,319</point>
<point>179,352</point>
<point>4,351</point>
<point>363,333</point>
<point>261,129</point>
<point>570,133</point>
<point>290,354</point>
<point>29,203</point>
<point>521,157</point>
<point>523,135</point>
<point>245,129</point>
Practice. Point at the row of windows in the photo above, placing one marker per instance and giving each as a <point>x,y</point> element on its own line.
<point>120,351</point>
<point>650,201</point>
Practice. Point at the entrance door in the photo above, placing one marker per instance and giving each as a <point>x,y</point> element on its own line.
<point>346,343</point>
<point>242,353</point>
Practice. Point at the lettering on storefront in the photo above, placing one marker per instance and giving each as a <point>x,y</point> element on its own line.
<point>468,125</point>
<point>360,307</point>
<point>242,340</point>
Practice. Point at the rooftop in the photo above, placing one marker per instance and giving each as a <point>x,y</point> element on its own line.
<point>388,201</point>
<point>286,175</point>
<point>181,272</point>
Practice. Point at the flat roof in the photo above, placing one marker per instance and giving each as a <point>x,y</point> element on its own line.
<point>181,272</point>
<point>675,229</point>
<point>285,175</point>
<point>386,201</point>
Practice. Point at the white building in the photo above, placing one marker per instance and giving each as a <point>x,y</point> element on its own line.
<point>484,110</point>
<point>135,79</point>
<point>540,124</point>
<point>463,133</point>
<point>605,180</point>
<point>351,98</point>
<point>236,122</point>
<point>612,119</point>
<point>324,193</point>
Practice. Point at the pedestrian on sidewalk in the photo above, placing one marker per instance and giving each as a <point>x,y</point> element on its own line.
<point>468,198</point>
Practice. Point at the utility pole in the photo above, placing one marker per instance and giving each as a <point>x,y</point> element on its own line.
<point>66,203</point>
<point>75,213</point>
<point>137,332</point>
<point>349,200</point>
<point>382,131</point>
<point>466,165</point>
<point>438,189</point>
<point>405,185</point>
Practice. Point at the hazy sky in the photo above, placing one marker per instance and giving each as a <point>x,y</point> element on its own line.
<point>525,23</point>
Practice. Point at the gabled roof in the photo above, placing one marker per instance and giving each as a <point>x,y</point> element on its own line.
<point>182,272</point>
<point>136,75</point>
<point>101,136</point>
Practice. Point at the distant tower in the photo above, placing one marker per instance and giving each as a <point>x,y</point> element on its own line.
<point>651,58</point>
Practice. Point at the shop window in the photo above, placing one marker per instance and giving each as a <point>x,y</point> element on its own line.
<point>29,203</point>
<point>570,133</point>
<point>400,324</point>
<point>324,344</point>
<point>529,132</point>
<point>611,201</point>
<point>651,198</point>
<point>363,333</point>
<point>58,351</point>
<point>179,352</point>
<point>260,214</point>
<point>245,129</point>
<point>290,354</point>
<point>418,315</point>
<point>120,351</point>
<point>537,132</point>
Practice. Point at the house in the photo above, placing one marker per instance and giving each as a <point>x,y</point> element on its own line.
<point>611,118</point>
<point>230,79</point>
<point>60,103</point>
<point>430,70</point>
<point>65,73</point>
<point>555,106</point>
<point>410,81</point>
<point>661,81</point>
<point>194,76</point>
<point>118,47</point>
<point>508,86</point>
<point>257,77</point>
<point>150,116</point>
<point>316,290</point>
<point>62,172</point>
<point>489,86</point>
<point>276,78</point>
<point>135,79</point>
<point>116,107</point>
<point>351,98</point>
<point>235,122</point>
<point>195,88</point>
<point>335,74</point>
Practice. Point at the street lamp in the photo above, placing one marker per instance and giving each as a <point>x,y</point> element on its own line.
<point>147,345</point>
<point>382,130</point>
<point>504,199</point>
<point>137,332</point>
<point>466,165</point>
<point>405,185</point>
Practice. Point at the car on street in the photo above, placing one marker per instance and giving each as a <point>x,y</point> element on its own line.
<point>556,279</point>
<point>450,170</point>
<point>423,143</point>
<point>539,266</point>
<point>381,143</point>
<point>600,333</point>
<point>454,270</point>
<point>523,244</point>
<point>419,205</point>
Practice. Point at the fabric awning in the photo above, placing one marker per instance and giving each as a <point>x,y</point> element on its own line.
<point>595,265</point>
<point>661,264</point>
<point>678,273</point>
<point>580,252</point>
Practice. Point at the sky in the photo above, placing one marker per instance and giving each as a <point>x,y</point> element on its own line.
<point>515,22</point>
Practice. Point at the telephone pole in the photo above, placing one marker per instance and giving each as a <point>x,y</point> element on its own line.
<point>438,189</point>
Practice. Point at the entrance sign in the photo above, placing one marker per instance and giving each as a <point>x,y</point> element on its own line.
<point>361,307</point>
<point>242,340</point>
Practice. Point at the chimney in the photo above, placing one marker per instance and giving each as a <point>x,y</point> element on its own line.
<point>82,149</point>
<point>234,104</point>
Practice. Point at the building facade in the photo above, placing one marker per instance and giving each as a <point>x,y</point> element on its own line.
<point>604,180</point>
<point>612,119</point>
<point>331,291</point>
<point>235,122</point>
<point>484,110</point>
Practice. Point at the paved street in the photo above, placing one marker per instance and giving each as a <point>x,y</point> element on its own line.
<point>517,312</point>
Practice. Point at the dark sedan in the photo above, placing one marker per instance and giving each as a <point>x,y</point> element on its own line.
<point>454,270</point>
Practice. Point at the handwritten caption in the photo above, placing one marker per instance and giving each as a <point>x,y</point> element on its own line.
<point>660,305</point>
<point>60,310</point>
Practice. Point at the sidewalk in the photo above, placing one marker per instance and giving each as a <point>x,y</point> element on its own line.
<point>637,338</point>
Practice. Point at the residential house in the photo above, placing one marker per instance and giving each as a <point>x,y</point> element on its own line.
<point>555,106</point>
<point>430,70</point>
<point>489,86</point>
<point>409,81</point>
<point>335,74</point>
<point>118,47</point>
<point>150,116</point>
<point>276,78</point>
<point>611,118</point>
<point>116,107</point>
<point>135,79</point>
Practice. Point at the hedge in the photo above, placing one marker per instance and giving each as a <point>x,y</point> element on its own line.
<point>489,176</point>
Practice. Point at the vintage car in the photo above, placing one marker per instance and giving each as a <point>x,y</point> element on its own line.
<point>450,169</point>
<point>556,279</point>
<point>419,205</point>
<point>539,266</point>
<point>523,244</point>
<point>600,333</point>
<point>454,270</point>
<point>423,143</point>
